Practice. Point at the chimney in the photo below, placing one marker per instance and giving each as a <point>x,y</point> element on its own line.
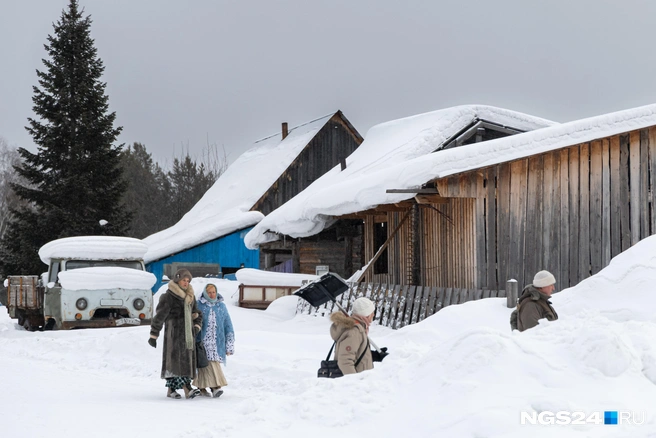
<point>284,130</point>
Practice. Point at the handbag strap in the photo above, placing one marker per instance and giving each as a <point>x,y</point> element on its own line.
<point>331,351</point>
<point>362,355</point>
<point>359,358</point>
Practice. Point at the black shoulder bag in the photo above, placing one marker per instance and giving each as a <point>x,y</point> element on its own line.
<point>330,369</point>
<point>201,355</point>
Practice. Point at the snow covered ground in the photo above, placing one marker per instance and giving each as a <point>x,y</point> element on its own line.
<point>459,373</point>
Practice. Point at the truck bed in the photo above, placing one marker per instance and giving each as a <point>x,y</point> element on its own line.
<point>24,293</point>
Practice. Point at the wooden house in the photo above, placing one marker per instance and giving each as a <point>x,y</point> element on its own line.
<point>209,239</point>
<point>339,221</point>
<point>566,198</point>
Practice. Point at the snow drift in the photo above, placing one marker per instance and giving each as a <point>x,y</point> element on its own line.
<point>459,373</point>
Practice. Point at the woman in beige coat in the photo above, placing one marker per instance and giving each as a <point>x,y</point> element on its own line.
<point>351,335</point>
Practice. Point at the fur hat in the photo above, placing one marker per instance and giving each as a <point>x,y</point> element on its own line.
<point>180,274</point>
<point>363,307</point>
<point>543,279</point>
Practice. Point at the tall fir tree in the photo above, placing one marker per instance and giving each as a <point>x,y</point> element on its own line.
<point>148,192</point>
<point>189,182</point>
<point>74,179</point>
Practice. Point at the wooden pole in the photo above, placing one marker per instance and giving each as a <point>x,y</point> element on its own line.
<point>511,293</point>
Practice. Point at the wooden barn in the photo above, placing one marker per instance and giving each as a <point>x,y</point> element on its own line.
<point>324,227</point>
<point>565,198</point>
<point>580,195</point>
<point>327,149</point>
<point>209,239</point>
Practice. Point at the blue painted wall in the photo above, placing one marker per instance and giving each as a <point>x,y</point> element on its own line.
<point>228,251</point>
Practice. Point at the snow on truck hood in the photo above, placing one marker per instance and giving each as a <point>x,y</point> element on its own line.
<point>94,248</point>
<point>106,277</point>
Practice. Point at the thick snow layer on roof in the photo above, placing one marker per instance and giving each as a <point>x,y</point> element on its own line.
<point>93,248</point>
<point>385,147</point>
<point>255,277</point>
<point>225,207</point>
<point>106,278</point>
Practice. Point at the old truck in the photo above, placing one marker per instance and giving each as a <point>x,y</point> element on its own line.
<point>92,281</point>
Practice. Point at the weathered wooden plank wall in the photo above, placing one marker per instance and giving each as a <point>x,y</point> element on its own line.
<point>448,245</point>
<point>563,242</point>
<point>569,211</point>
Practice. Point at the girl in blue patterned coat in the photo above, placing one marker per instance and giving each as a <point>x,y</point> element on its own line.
<point>218,337</point>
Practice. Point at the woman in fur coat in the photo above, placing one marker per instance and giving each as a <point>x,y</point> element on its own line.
<point>218,337</point>
<point>178,313</point>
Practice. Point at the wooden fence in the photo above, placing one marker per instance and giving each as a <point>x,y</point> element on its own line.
<point>398,306</point>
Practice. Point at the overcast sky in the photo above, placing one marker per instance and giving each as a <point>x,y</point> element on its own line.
<point>227,73</point>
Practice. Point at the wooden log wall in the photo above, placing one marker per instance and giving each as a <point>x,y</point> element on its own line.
<point>333,253</point>
<point>568,211</point>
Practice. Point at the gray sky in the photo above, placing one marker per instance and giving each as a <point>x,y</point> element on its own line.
<point>185,74</point>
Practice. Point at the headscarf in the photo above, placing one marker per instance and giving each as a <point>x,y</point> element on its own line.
<point>207,297</point>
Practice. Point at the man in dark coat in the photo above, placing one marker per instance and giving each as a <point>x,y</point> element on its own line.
<point>178,314</point>
<point>534,304</point>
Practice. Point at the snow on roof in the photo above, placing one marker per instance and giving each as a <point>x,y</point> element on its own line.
<point>93,248</point>
<point>255,277</point>
<point>386,146</point>
<point>225,207</point>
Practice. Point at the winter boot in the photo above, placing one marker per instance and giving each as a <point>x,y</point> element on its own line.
<point>190,392</point>
<point>216,392</point>
<point>172,394</point>
<point>205,393</point>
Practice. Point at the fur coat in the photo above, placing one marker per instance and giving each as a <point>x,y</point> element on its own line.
<point>177,360</point>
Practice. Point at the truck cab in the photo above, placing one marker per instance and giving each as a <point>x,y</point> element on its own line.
<point>96,281</point>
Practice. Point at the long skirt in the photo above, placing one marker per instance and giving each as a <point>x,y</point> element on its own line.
<point>211,376</point>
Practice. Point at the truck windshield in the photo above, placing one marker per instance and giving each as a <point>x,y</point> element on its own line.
<point>75,264</point>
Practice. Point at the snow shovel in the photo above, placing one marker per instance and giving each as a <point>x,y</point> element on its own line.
<point>326,288</point>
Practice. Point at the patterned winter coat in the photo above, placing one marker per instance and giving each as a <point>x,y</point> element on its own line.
<point>217,333</point>
<point>352,341</point>
<point>177,360</point>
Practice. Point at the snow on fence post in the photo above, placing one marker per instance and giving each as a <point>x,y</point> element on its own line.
<point>511,293</point>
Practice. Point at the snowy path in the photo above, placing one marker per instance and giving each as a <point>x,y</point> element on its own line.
<point>460,373</point>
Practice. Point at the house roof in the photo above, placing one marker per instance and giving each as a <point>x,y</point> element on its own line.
<point>379,163</point>
<point>225,207</point>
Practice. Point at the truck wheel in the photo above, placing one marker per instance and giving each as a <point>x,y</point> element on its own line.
<point>50,324</point>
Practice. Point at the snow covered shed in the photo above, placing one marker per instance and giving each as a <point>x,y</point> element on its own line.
<point>209,239</point>
<point>566,198</point>
<point>337,222</point>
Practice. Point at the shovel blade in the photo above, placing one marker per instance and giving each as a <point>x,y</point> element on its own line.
<point>326,288</point>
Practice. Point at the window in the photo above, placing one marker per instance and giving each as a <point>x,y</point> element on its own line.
<point>380,236</point>
<point>76,264</point>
